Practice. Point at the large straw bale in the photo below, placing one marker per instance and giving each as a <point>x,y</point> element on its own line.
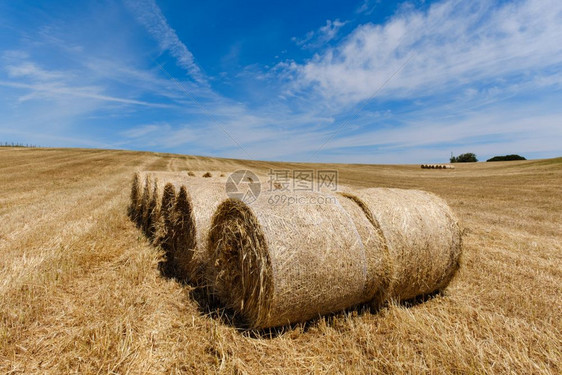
<point>204,199</point>
<point>182,237</point>
<point>145,204</point>
<point>278,264</point>
<point>376,251</point>
<point>422,235</point>
<point>135,197</point>
<point>154,208</point>
<point>192,213</point>
<point>164,227</point>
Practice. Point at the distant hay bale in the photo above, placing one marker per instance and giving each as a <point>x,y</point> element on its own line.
<point>191,174</point>
<point>279,264</point>
<point>437,166</point>
<point>135,197</point>
<point>207,174</point>
<point>422,235</point>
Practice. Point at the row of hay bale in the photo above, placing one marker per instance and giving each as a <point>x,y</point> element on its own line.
<point>169,207</point>
<point>280,264</point>
<point>437,166</point>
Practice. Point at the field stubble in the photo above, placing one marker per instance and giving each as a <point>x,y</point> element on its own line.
<point>81,291</point>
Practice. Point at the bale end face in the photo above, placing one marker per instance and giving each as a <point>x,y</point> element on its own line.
<point>240,268</point>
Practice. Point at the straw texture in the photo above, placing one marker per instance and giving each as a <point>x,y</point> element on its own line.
<point>191,215</point>
<point>135,197</point>
<point>422,236</point>
<point>278,264</point>
<point>164,231</point>
<point>145,204</point>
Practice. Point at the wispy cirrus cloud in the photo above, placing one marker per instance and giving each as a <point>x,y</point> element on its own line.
<point>31,70</point>
<point>367,7</point>
<point>55,89</point>
<point>318,38</point>
<point>150,16</point>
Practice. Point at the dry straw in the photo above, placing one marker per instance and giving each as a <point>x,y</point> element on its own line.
<point>182,237</point>
<point>145,204</point>
<point>422,236</point>
<point>278,264</point>
<point>376,250</point>
<point>191,220</point>
<point>154,208</point>
<point>164,226</point>
<point>136,195</point>
<point>205,196</point>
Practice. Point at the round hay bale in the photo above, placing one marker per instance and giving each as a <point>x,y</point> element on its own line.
<point>154,208</point>
<point>135,196</point>
<point>145,204</point>
<point>279,264</point>
<point>376,250</point>
<point>182,237</point>
<point>164,227</point>
<point>422,235</point>
<point>192,215</point>
<point>205,196</point>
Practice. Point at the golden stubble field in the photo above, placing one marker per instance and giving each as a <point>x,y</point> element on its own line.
<point>81,290</point>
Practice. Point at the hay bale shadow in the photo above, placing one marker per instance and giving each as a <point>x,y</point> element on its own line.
<point>418,300</point>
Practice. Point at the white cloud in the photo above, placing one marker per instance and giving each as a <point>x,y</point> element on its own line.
<point>318,38</point>
<point>452,44</point>
<point>367,7</point>
<point>144,130</point>
<point>30,70</point>
<point>150,16</point>
<point>56,89</point>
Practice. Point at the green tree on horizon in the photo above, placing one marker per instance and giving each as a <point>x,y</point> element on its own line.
<point>468,157</point>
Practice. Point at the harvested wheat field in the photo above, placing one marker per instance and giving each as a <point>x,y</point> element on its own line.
<point>82,289</point>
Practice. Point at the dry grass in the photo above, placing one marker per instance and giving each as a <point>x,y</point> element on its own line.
<point>81,290</point>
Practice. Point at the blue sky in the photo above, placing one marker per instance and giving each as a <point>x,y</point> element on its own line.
<point>364,81</point>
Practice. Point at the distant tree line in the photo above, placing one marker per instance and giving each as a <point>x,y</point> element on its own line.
<point>507,158</point>
<point>469,157</point>
<point>15,144</point>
